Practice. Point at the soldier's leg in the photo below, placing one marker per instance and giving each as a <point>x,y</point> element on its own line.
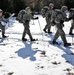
<point>49,28</point>
<point>62,34</point>
<point>71,29</point>
<point>56,36</point>
<point>23,35</point>
<point>46,27</point>
<point>3,31</point>
<point>64,39</point>
<point>29,33</point>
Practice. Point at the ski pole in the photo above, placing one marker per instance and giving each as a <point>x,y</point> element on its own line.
<point>43,52</point>
<point>72,40</point>
<point>40,28</point>
<point>33,23</point>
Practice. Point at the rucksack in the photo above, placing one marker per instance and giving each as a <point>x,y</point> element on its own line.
<point>20,15</point>
<point>44,10</point>
<point>55,17</point>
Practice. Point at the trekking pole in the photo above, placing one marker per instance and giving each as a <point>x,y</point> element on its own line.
<point>43,52</point>
<point>72,40</point>
<point>33,23</point>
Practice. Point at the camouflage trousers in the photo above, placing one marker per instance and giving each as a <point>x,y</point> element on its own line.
<point>48,25</point>
<point>3,29</point>
<point>60,33</point>
<point>26,31</point>
<point>72,27</point>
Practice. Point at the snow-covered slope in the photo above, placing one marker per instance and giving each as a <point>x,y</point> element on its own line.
<point>25,58</point>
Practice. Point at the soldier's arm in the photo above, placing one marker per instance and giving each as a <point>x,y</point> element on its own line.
<point>67,19</point>
<point>3,19</point>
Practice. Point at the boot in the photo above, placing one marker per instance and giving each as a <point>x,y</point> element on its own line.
<point>67,44</point>
<point>49,32</point>
<point>71,34</point>
<point>33,40</point>
<point>54,42</point>
<point>24,39</point>
<point>4,36</point>
<point>44,30</point>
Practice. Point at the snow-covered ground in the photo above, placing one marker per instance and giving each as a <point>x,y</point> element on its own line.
<point>25,58</point>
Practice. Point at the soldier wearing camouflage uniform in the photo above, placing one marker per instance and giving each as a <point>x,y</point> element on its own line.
<point>26,19</point>
<point>2,27</point>
<point>58,20</point>
<point>48,18</point>
<point>72,24</point>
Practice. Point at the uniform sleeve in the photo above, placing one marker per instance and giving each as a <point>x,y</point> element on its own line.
<point>43,13</point>
<point>25,18</point>
<point>3,19</point>
<point>65,17</point>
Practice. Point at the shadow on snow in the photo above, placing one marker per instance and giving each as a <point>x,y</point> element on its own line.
<point>27,52</point>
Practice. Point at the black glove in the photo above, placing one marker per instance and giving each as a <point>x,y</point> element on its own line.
<point>32,13</point>
<point>70,18</point>
<point>61,21</point>
<point>36,18</point>
<point>27,21</point>
<point>49,15</point>
<point>53,22</point>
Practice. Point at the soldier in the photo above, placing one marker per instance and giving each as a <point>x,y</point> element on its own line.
<point>58,20</point>
<point>72,24</point>
<point>2,27</point>
<point>66,13</point>
<point>48,18</point>
<point>26,19</point>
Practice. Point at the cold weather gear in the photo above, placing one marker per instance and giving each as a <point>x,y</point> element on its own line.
<point>2,27</point>
<point>26,19</point>
<point>48,18</point>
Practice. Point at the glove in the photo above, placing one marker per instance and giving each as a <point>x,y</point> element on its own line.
<point>49,15</point>
<point>32,13</point>
<point>36,18</point>
<point>27,21</point>
<point>61,21</point>
<point>53,22</point>
<point>70,18</point>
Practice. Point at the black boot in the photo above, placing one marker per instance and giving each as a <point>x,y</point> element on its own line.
<point>4,36</point>
<point>67,44</point>
<point>44,30</point>
<point>71,34</point>
<point>54,42</point>
<point>33,40</point>
<point>49,32</point>
<point>24,39</point>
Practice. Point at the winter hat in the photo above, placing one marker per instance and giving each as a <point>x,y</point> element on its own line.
<point>64,8</point>
<point>51,4</point>
<point>27,8</point>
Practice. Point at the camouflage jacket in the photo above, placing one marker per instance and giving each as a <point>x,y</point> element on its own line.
<point>2,19</point>
<point>27,17</point>
<point>44,11</point>
<point>48,15</point>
